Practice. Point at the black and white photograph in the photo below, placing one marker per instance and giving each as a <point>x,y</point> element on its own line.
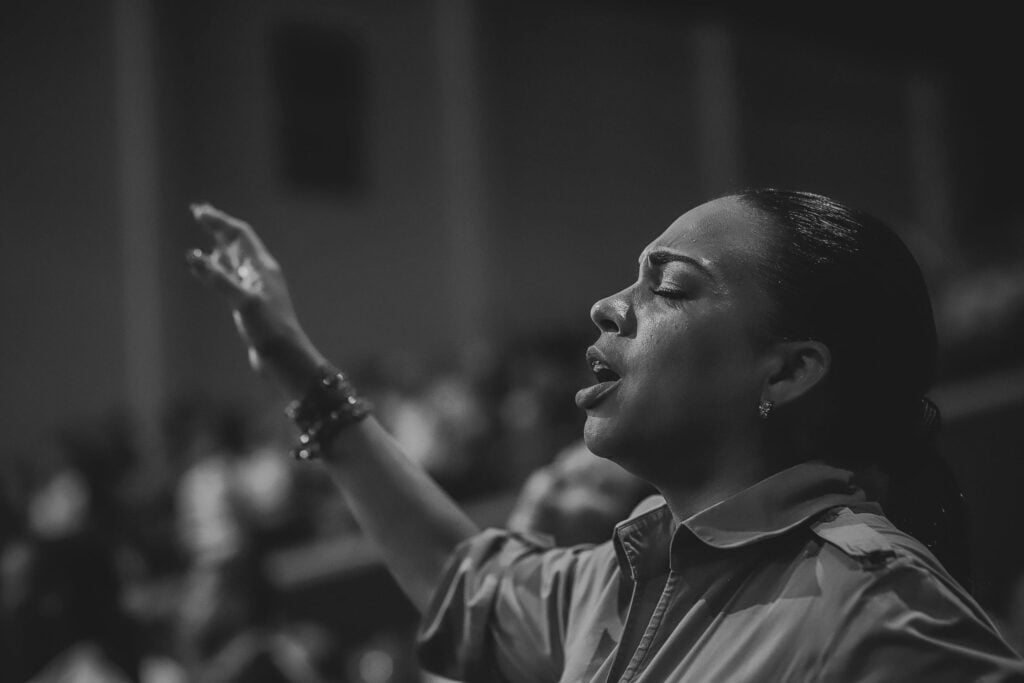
<point>471,341</point>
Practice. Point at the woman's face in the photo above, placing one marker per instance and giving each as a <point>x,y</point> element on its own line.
<point>680,350</point>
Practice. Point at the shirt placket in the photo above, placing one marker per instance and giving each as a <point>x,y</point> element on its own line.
<point>639,659</point>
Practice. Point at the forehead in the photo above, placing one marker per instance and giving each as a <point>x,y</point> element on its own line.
<point>724,235</point>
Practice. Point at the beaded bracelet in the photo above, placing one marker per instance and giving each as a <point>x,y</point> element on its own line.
<point>329,406</point>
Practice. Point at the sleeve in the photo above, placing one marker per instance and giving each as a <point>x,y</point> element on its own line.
<point>911,624</point>
<point>501,610</point>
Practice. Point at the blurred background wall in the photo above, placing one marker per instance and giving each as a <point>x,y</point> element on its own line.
<point>435,173</point>
<point>474,168</point>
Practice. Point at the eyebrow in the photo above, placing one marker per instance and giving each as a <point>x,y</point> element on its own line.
<point>659,257</point>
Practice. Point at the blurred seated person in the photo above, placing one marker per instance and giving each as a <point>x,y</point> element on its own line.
<point>578,498</point>
<point>62,586</point>
<point>236,501</point>
<point>231,630</point>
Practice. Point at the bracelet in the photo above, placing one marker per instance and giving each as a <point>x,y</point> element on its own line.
<point>328,407</point>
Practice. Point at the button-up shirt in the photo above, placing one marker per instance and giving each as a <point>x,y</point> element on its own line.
<point>797,578</point>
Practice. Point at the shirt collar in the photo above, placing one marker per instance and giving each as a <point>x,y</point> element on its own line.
<point>769,508</point>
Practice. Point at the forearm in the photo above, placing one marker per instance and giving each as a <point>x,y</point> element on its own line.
<point>414,522</point>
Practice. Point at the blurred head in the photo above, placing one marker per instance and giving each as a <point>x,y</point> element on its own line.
<point>767,295</point>
<point>577,498</point>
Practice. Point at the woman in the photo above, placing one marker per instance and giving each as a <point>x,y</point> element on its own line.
<point>772,343</point>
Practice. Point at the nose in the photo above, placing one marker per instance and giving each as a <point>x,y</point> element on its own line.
<point>614,313</point>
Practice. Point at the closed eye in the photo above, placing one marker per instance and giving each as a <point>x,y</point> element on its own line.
<point>669,293</point>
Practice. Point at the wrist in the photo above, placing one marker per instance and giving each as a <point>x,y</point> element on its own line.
<point>330,406</point>
<point>291,361</point>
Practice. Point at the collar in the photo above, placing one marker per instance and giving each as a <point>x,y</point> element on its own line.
<point>646,544</point>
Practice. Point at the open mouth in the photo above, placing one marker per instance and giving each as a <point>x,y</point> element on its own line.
<point>602,371</point>
<point>600,367</point>
<point>607,380</point>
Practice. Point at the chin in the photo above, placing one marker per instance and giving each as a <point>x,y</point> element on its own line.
<point>602,440</point>
<point>629,449</point>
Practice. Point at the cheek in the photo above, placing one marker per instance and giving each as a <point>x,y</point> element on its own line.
<point>707,358</point>
<point>687,376</point>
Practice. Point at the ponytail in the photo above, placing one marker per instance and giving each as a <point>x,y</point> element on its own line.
<point>844,278</point>
<point>924,500</point>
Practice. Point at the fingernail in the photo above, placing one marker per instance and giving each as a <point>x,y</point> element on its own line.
<point>194,258</point>
<point>196,209</point>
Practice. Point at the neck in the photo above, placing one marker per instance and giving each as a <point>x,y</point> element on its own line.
<point>694,493</point>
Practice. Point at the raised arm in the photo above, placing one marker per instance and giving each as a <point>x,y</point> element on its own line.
<point>413,521</point>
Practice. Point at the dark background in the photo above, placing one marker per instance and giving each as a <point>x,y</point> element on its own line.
<point>438,175</point>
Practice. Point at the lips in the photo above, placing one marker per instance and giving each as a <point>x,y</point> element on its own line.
<point>607,380</point>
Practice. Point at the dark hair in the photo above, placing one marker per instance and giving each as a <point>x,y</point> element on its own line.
<point>842,277</point>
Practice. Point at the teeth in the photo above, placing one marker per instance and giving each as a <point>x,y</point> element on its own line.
<point>602,371</point>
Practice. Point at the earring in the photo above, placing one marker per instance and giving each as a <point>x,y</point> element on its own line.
<point>764,408</point>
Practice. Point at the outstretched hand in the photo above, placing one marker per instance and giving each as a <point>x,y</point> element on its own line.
<point>398,505</point>
<point>249,278</point>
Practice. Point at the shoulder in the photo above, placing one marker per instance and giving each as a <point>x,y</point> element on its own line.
<point>866,558</point>
<point>891,600</point>
<point>867,536</point>
<point>884,555</point>
<point>855,535</point>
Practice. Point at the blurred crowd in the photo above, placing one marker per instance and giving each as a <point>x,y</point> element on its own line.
<point>121,565</point>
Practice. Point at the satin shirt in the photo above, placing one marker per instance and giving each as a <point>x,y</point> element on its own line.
<point>797,578</point>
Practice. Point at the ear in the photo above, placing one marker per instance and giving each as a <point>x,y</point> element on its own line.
<point>796,367</point>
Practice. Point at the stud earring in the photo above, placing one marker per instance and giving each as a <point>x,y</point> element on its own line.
<point>764,408</point>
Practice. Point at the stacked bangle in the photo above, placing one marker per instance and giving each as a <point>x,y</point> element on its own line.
<point>329,406</point>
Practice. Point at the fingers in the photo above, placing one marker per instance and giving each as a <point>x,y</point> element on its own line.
<point>212,272</point>
<point>221,225</point>
<point>230,232</point>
